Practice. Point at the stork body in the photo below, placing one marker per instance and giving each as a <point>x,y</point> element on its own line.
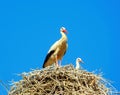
<point>57,50</point>
<point>78,61</point>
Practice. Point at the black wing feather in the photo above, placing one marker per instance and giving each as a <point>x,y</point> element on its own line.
<point>47,57</point>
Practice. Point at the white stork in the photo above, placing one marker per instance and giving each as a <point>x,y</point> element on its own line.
<point>78,61</point>
<point>57,50</point>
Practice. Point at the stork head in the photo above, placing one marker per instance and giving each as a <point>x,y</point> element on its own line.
<point>62,29</point>
<point>79,60</point>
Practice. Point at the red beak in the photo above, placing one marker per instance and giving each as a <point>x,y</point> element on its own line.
<point>65,31</point>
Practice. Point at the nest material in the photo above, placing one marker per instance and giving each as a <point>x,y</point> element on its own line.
<point>60,81</point>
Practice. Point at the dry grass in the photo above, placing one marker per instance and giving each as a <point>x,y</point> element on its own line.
<point>60,81</point>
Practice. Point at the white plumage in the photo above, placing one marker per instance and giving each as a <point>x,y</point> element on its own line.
<point>78,61</point>
<point>57,50</point>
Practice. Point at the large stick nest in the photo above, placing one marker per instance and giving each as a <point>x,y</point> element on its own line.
<point>60,81</point>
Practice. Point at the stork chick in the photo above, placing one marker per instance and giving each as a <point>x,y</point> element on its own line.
<point>57,50</point>
<point>78,61</point>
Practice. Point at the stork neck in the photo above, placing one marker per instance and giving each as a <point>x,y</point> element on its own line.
<point>63,35</point>
<point>77,63</point>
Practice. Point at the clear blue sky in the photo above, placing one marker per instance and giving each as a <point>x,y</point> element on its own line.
<point>29,27</point>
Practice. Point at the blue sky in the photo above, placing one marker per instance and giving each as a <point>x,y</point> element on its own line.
<point>29,27</point>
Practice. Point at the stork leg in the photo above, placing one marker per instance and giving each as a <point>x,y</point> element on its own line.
<point>56,61</point>
<point>60,62</point>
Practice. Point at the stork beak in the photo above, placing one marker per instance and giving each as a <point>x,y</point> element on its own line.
<point>65,31</point>
<point>82,61</point>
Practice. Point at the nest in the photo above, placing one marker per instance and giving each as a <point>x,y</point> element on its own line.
<point>64,80</point>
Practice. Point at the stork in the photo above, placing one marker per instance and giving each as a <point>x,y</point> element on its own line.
<point>57,50</point>
<point>78,61</point>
